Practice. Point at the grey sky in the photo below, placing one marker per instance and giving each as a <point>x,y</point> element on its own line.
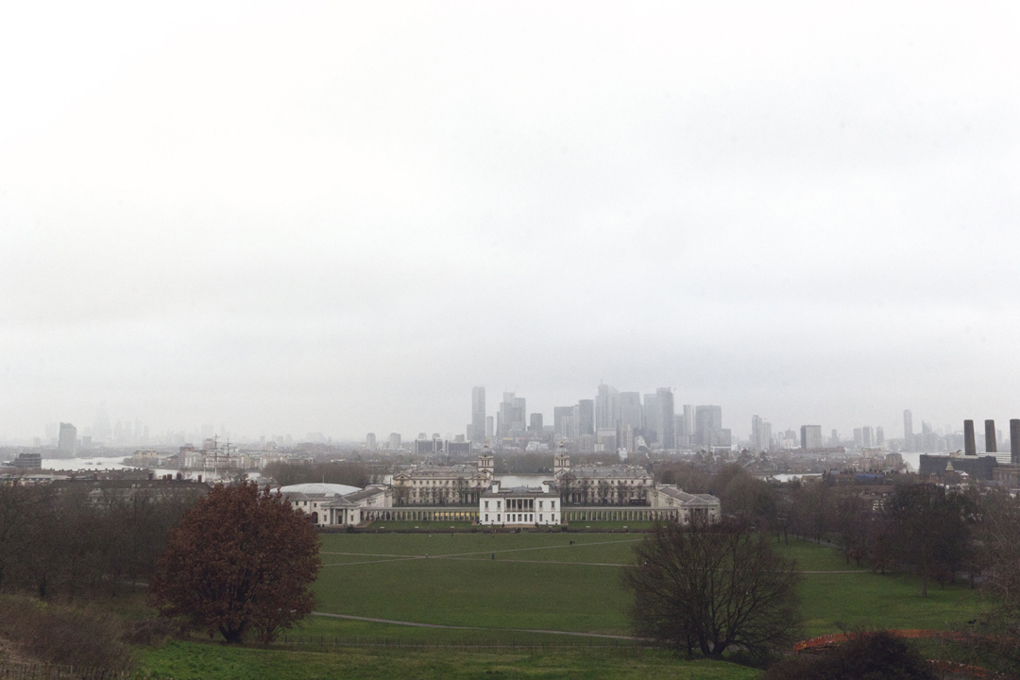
<point>340,217</point>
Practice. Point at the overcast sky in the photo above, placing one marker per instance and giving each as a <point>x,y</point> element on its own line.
<point>338,217</point>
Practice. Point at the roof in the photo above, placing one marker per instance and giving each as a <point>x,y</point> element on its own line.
<point>519,491</point>
<point>367,492</point>
<point>688,498</point>
<point>452,471</point>
<point>333,500</point>
<point>319,489</point>
<point>610,472</point>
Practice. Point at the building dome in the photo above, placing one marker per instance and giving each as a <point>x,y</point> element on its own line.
<point>316,488</point>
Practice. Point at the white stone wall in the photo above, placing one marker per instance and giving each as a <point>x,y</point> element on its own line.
<point>493,512</point>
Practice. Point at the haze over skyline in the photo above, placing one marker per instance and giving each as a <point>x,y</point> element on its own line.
<point>340,218</point>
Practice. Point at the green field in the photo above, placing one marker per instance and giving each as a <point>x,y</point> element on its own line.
<point>558,593</point>
<point>507,582</point>
<point>187,661</point>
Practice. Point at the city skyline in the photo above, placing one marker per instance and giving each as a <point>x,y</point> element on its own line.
<point>696,419</point>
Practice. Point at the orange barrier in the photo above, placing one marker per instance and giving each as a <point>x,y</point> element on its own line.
<point>942,665</point>
<point>836,638</point>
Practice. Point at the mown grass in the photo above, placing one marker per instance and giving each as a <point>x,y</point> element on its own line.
<point>571,582</point>
<point>191,660</point>
<point>581,524</point>
<point>538,581</point>
<point>420,524</point>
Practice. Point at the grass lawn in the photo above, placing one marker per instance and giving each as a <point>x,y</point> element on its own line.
<point>585,524</point>
<point>420,525</point>
<point>187,660</point>
<point>538,581</point>
<point>570,582</point>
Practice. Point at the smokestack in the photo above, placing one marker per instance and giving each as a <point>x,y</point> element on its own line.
<point>990,436</point>
<point>1014,441</point>
<point>969,448</point>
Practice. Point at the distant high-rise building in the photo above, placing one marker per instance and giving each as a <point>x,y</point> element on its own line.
<point>810,436</point>
<point>370,441</point>
<point>29,461</point>
<point>858,437</point>
<point>394,441</point>
<point>761,434</point>
<point>586,417</point>
<point>652,414</point>
<point>535,426</point>
<point>489,427</point>
<point>867,437</point>
<point>689,427</point>
<point>667,434</point>
<point>630,409</point>
<point>565,422</point>
<point>607,408</point>
<point>708,426</point>
<point>908,431</point>
<point>68,441</point>
<point>477,433</point>
<point>879,437</point>
<point>511,421</point>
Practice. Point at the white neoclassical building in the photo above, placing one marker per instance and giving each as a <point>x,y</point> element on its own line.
<point>449,485</point>
<point>691,506</point>
<point>336,504</point>
<point>599,485</point>
<point>521,505</point>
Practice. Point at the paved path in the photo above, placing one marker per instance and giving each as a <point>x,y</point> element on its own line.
<point>504,630</point>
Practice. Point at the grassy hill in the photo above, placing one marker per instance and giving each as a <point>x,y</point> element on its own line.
<point>492,595</point>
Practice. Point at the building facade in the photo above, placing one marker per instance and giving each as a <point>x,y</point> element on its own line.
<point>334,505</point>
<point>444,485</point>
<point>520,506</point>
<point>600,484</point>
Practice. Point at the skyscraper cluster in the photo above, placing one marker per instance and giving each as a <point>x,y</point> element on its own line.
<point>611,421</point>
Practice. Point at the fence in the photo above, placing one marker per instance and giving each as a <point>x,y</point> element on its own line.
<point>14,670</point>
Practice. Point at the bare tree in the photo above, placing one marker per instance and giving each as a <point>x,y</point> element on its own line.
<point>853,516</point>
<point>930,532</point>
<point>713,587</point>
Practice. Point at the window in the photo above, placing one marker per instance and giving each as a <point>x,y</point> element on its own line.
<point>486,518</point>
<point>486,505</point>
<point>540,505</point>
<point>552,505</point>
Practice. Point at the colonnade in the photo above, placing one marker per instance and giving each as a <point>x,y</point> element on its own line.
<point>567,514</point>
<point>419,515</point>
<point>618,514</point>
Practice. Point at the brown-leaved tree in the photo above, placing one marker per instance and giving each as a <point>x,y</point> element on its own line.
<point>240,562</point>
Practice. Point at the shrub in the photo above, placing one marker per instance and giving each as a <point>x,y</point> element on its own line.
<point>64,636</point>
<point>866,656</point>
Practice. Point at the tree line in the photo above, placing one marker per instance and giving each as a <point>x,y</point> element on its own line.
<point>691,581</point>
<point>348,472</point>
<point>73,541</point>
<point>901,524</point>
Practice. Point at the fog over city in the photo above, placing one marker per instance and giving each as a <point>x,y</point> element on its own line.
<point>341,217</point>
